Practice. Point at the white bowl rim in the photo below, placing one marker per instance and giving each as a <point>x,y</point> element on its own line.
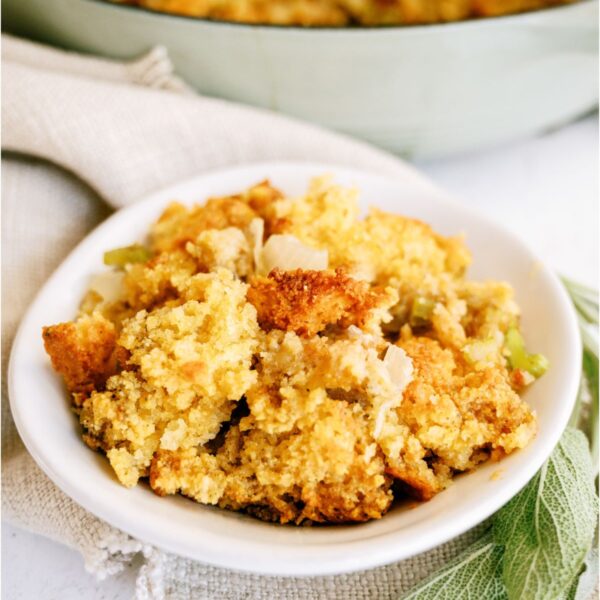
<point>366,553</point>
<point>508,19</point>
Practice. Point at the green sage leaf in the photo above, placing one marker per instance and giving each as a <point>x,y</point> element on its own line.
<point>548,528</point>
<point>584,586</point>
<point>473,575</point>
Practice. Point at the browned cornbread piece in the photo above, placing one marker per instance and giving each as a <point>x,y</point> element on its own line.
<point>179,224</point>
<point>458,415</point>
<point>306,302</point>
<point>84,352</point>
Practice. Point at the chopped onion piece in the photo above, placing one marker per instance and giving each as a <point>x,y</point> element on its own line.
<point>108,284</point>
<point>256,232</point>
<point>380,419</point>
<point>355,332</point>
<point>363,271</point>
<point>399,366</point>
<point>287,252</point>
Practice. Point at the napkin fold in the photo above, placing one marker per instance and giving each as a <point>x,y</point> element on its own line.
<point>126,140</point>
<point>127,129</point>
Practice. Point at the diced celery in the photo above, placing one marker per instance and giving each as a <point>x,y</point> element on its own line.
<point>515,345</point>
<point>119,257</point>
<point>538,365</point>
<point>519,358</point>
<point>420,314</point>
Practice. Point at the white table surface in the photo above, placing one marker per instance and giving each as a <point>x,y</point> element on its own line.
<point>544,189</point>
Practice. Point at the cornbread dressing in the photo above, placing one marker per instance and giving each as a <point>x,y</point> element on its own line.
<point>295,395</point>
<point>339,13</point>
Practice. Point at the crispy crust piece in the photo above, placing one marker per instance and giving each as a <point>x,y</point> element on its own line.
<point>307,301</point>
<point>84,352</point>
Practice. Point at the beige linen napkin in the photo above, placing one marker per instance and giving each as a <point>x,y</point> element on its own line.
<point>126,130</point>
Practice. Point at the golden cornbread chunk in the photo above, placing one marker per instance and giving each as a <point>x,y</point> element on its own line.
<point>320,392</point>
<point>384,249</point>
<point>305,450</point>
<point>456,416</point>
<point>188,366</point>
<point>334,13</point>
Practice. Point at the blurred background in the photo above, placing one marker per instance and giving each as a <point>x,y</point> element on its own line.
<point>422,78</point>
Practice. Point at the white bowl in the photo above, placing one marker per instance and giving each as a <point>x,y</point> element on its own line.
<point>52,435</point>
<point>420,91</point>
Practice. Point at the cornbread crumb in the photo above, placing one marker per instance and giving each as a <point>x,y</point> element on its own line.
<point>497,474</point>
